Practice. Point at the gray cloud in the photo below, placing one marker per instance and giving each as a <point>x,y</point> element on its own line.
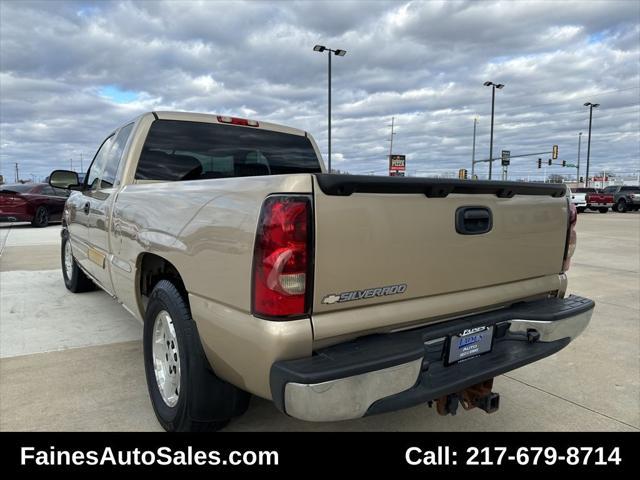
<point>422,62</point>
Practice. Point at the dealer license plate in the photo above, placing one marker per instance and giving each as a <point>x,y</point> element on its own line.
<point>470,343</point>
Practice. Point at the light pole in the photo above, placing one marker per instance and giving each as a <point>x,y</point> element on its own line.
<point>578,164</point>
<point>473,151</point>
<point>493,102</point>
<point>391,137</point>
<point>339,53</point>
<point>591,107</point>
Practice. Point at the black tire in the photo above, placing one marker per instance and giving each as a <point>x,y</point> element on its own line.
<point>621,206</point>
<point>41,218</point>
<point>603,210</point>
<point>204,401</point>
<point>75,279</point>
<point>581,209</point>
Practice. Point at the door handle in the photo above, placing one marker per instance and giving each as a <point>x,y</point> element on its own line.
<point>87,208</point>
<point>473,220</point>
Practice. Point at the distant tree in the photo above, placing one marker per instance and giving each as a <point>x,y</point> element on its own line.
<point>556,178</point>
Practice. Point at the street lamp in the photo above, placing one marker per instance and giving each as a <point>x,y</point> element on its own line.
<point>578,164</point>
<point>591,107</point>
<point>339,53</point>
<point>493,102</point>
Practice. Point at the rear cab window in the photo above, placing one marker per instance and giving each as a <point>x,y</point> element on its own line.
<point>180,150</point>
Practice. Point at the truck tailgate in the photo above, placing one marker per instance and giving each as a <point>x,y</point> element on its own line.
<point>382,240</point>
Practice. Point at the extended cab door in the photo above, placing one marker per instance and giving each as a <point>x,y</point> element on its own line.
<point>79,206</point>
<point>101,198</point>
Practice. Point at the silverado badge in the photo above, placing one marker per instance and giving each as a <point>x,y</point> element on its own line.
<point>364,294</point>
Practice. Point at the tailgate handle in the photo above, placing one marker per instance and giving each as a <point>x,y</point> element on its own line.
<point>473,220</point>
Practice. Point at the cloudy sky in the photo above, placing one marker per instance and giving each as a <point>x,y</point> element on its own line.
<point>72,71</point>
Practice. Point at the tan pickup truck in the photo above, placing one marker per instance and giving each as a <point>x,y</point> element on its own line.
<point>335,296</point>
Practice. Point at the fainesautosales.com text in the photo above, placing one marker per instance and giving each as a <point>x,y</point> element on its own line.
<point>188,456</point>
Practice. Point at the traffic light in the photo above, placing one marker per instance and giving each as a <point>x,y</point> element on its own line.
<point>555,153</point>
<point>581,179</point>
<point>539,163</point>
<point>549,162</point>
<point>462,174</point>
<point>564,163</point>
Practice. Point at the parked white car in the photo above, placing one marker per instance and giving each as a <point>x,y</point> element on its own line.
<point>579,198</point>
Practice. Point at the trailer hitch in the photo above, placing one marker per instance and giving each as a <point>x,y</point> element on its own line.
<point>478,395</point>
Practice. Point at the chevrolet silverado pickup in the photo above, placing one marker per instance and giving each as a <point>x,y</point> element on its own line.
<point>256,272</point>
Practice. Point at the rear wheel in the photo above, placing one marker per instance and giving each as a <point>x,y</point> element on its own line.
<point>74,278</point>
<point>621,206</point>
<point>41,218</point>
<point>185,393</point>
<point>603,210</point>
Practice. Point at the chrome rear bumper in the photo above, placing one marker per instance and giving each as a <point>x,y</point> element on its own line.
<point>550,331</point>
<point>349,397</point>
<point>424,377</point>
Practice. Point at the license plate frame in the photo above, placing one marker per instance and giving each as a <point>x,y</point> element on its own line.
<point>469,344</point>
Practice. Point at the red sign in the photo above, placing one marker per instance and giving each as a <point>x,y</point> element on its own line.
<point>397,163</point>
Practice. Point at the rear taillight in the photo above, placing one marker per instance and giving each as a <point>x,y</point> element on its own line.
<point>570,246</point>
<point>14,200</point>
<point>282,258</point>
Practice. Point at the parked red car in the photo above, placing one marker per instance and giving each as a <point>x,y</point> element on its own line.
<point>38,203</point>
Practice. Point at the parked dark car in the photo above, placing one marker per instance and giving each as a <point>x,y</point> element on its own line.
<point>37,203</point>
<point>625,197</point>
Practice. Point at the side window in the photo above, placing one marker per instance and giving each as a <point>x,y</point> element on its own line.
<point>108,177</point>
<point>98,164</point>
<point>60,192</point>
<point>47,190</point>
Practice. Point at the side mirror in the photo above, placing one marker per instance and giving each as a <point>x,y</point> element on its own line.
<point>64,179</point>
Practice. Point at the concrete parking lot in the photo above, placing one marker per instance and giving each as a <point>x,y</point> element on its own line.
<point>74,362</point>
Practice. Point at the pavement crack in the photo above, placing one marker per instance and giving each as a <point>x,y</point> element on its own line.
<point>626,307</point>
<point>600,267</point>
<point>572,402</point>
<point>3,240</point>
